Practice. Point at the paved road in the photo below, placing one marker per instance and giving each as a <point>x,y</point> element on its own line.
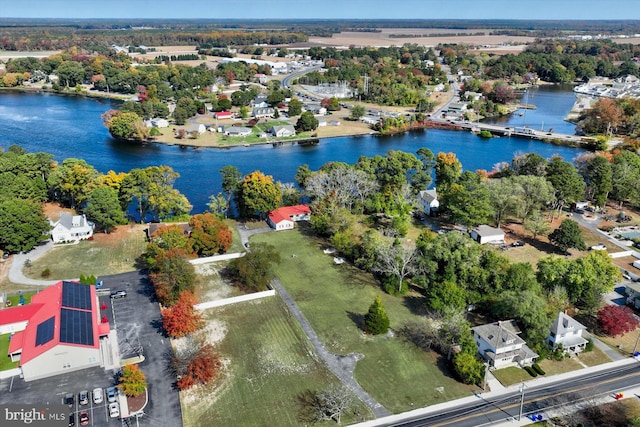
<point>554,395</point>
<point>341,366</point>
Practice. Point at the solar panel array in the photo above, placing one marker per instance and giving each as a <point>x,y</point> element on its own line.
<point>76,326</point>
<point>75,295</point>
<point>44,332</point>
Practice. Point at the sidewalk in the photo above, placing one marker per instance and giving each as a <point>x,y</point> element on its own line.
<point>505,390</point>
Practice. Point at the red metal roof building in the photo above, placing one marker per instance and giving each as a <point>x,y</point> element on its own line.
<point>283,218</point>
<point>62,331</point>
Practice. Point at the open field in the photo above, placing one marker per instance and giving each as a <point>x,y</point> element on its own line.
<point>112,253</point>
<point>210,286</point>
<point>268,363</point>
<point>420,36</point>
<point>335,297</point>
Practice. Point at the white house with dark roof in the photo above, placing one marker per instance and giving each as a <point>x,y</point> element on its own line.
<point>262,112</point>
<point>567,331</point>
<point>486,234</point>
<point>632,290</point>
<point>429,201</point>
<point>282,131</point>
<point>71,228</point>
<point>500,345</point>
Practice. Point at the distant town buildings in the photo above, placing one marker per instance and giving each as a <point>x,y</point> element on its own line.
<point>628,86</point>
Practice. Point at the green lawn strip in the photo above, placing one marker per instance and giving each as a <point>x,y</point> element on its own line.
<point>15,299</point>
<point>511,375</point>
<point>594,357</point>
<point>270,363</point>
<point>89,257</point>
<point>5,361</point>
<point>333,298</point>
<point>553,367</point>
<point>236,243</point>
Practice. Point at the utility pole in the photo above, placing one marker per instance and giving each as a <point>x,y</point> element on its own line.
<point>521,399</point>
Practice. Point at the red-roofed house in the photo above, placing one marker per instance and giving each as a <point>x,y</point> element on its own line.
<point>222,115</point>
<point>62,332</point>
<point>283,218</point>
<point>15,319</point>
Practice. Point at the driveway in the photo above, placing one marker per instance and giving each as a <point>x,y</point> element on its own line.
<point>18,260</point>
<point>137,321</point>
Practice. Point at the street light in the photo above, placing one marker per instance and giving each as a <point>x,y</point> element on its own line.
<point>521,399</point>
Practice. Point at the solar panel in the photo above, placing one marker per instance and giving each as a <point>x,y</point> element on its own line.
<point>44,332</point>
<point>75,295</point>
<point>76,327</point>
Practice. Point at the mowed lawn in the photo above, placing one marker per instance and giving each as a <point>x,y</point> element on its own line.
<point>5,362</point>
<point>106,254</point>
<point>269,363</point>
<point>334,298</point>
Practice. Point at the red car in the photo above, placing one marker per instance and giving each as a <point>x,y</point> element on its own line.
<point>84,418</point>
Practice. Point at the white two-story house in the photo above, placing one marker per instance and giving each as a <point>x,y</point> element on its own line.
<point>429,201</point>
<point>499,345</point>
<point>71,228</point>
<point>567,331</point>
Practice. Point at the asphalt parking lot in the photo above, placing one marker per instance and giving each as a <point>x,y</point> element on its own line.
<point>53,390</point>
<point>137,321</point>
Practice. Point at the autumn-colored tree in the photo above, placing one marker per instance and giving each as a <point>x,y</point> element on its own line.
<point>617,320</point>
<point>182,318</point>
<point>172,274</point>
<point>195,363</point>
<point>448,171</point>
<point>257,194</point>
<point>209,235</point>
<point>132,381</point>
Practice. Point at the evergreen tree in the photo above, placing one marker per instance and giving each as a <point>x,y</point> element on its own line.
<point>376,321</point>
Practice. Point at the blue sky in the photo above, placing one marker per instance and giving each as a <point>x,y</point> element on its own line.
<point>324,9</point>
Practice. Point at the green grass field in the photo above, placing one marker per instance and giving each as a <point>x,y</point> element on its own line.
<point>15,299</point>
<point>104,255</point>
<point>5,362</point>
<point>269,363</point>
<point>511,375</point>
<point>334,298</point>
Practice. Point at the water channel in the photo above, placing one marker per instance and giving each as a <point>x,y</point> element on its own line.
<point>72,127</point>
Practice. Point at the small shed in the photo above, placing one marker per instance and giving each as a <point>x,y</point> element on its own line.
<point>486,234</point>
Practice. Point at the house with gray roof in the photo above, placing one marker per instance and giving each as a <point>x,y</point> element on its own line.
<point>429,201</point>
<point>567,331</point>
<point>71,228</point>
<point>500,345</point>
<point>262,112</point>
<point>237,131</point>
<point>282,131</point>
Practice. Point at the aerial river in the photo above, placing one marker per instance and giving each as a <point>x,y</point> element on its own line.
<point>72,127</point>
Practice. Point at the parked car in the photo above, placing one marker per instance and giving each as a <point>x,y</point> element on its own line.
<point>518,243</point>
<point>118,294</point>
<point>111,394</point>
<point>599,247</point>
<point>84,418</point>
<point>72,419</point>
<point>83,397</point>
<point>69,399</point>
<point>97,396</point>
<point>114,410</point>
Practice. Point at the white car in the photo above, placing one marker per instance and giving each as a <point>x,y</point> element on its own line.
<point>599,247</point>
<point>97,396</point>
<point>111,394</point>
<point>114,410</point>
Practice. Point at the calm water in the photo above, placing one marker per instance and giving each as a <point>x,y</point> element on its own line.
<point>72,127</point>
<point>552,103</point>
